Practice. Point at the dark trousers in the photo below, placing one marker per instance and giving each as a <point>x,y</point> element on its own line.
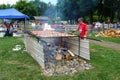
<point>7,33</point>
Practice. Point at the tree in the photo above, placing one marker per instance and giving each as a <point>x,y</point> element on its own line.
<point>108,9</point>
<point>26,7</point>
<point>73,9</point>
<point>104,9</point>
<point>41,7</point>
<point>3,6</point>
<point>50,11</point>
<point>29,7</point>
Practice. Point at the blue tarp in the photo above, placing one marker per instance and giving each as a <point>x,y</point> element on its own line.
<point>12,13</point>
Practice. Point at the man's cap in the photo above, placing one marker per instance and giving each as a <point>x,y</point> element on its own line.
<point>80,19</point>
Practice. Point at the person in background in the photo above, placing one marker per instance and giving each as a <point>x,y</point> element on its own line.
<point>98,26</point>
<point>6,25</point>
<point>115,26</point>
<point>118,24</point>
<point>9,29</point>
<point>55,25</point>
<point>82,28</point>
<point>6,29</point>
<point>63,27</point>
<point>33,25</point>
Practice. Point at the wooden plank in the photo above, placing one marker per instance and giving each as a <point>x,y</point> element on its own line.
<point>74,51</point>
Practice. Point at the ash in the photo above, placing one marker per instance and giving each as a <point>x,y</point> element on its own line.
<point>65,67</point>
<point>58,60</point>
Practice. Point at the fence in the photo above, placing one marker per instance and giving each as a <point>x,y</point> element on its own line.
<point>54,53</point>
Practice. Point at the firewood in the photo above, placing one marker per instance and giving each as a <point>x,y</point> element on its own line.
<point>71,53</point>
<point>109,33</point>
<point>58,57</point>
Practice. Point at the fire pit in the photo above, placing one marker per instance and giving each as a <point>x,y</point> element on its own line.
<point>58,53</point>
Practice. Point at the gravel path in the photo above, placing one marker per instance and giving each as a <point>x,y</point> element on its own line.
<point>111,45</point>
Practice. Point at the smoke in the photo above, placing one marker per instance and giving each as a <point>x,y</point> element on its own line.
<point>54,13</point>
<point>51,12</point>
<point>70,10</point>
<point>73,9</point>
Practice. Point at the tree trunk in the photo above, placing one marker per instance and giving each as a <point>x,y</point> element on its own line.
<point>112,15</point>
<point>91,16</point>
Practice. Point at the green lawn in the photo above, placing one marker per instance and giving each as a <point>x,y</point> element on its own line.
<point>20,66</point>
<point>115,40</point>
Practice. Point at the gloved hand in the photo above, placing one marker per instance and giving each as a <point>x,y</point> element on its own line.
<point>85,37</point>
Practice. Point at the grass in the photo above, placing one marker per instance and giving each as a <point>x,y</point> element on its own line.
<point>115,40</point>
<point>20,66</point>
<point>16,65</point>
<point>92,35</point>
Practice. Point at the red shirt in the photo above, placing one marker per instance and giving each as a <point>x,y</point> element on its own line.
<point>82,28</point>
<point>6,25</point>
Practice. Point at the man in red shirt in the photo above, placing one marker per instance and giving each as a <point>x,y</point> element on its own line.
<point>82,28</point>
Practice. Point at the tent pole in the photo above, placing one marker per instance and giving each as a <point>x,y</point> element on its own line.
<point>24,25</point>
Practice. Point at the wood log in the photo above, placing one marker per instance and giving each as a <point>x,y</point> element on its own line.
<point>109,33</point>
<point>71,53</point>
